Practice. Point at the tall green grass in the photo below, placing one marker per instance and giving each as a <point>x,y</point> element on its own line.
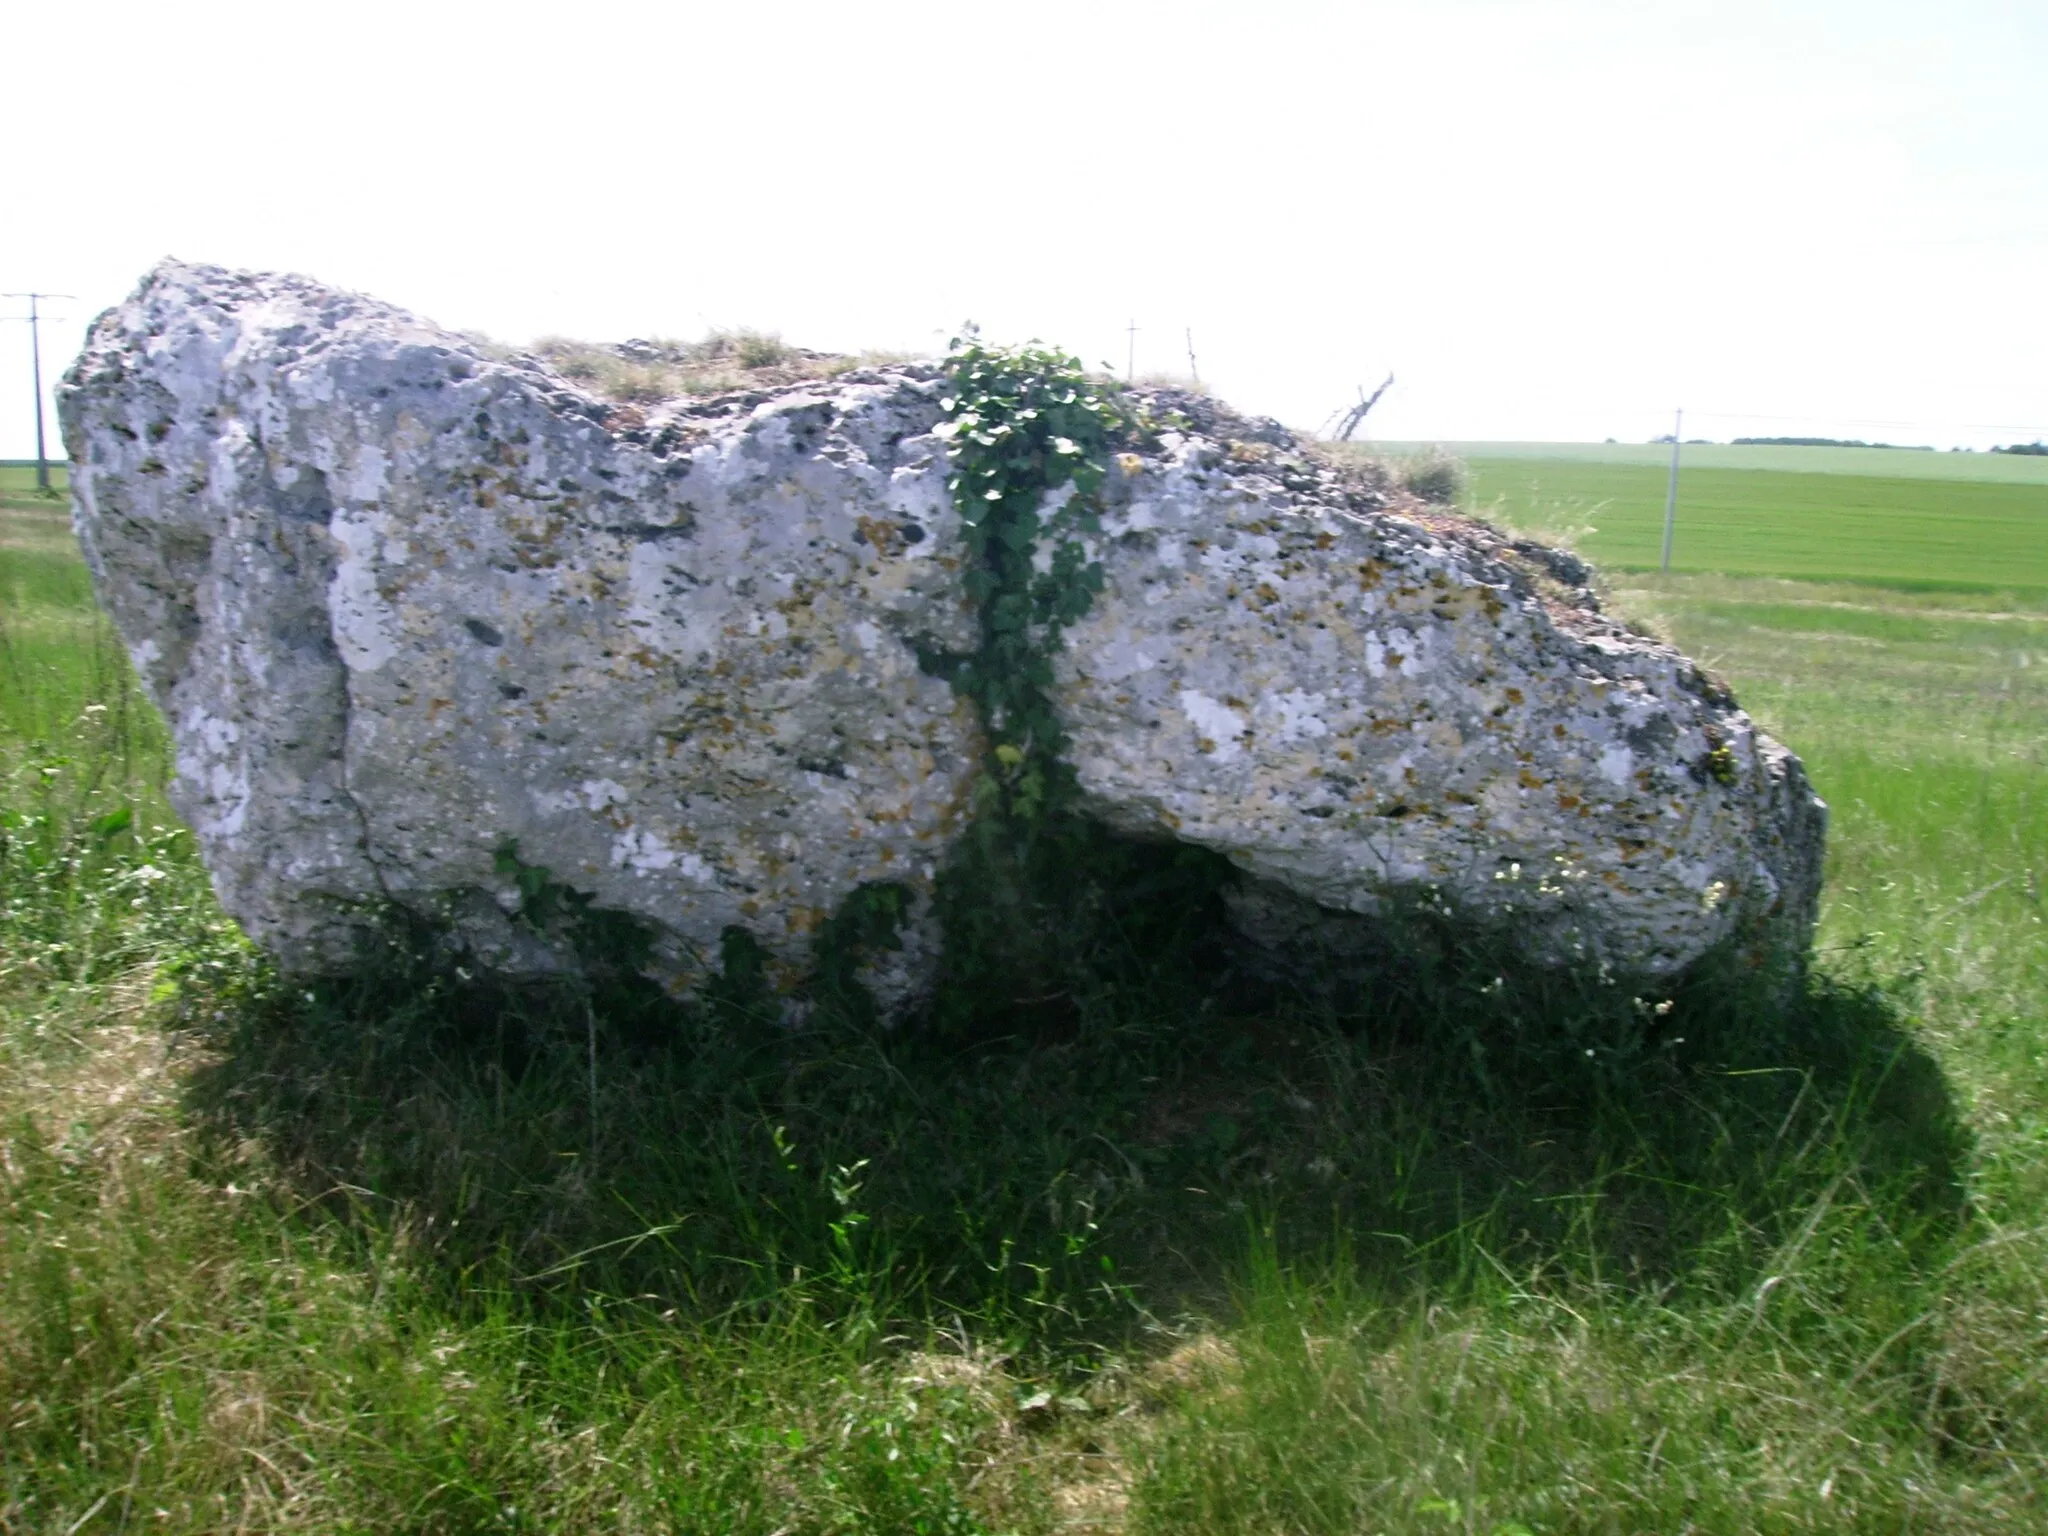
<point>1472,1250</point>
<point>1856,1367</point>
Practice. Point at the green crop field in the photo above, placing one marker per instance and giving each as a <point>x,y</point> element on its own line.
<point>1478,1252</point>
<point>1741,511</point>
<point>18,476</point>
<point>1879,463</point>
<point>1765,522</point>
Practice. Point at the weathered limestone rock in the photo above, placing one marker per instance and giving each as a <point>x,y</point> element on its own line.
<point>1362,710</point>
<point>405,604</point>
<point>409,605</point>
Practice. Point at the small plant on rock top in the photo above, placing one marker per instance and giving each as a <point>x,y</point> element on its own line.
<point>1028,442</point>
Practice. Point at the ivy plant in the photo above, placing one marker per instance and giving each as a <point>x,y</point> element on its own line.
<point>1037,896</point>
<point>1028,438</point>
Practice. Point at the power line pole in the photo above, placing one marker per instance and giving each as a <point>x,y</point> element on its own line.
<point>1671,491</point>
<point>1131,362</point>
<point>1193,372</point>
<point>35,352</point>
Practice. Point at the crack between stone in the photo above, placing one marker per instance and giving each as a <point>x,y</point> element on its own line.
<point>348,792</point>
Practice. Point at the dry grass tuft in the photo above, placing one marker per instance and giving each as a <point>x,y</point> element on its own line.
<point>1205,1363</point>
<point>1185,383</point>
<point>645,372</point>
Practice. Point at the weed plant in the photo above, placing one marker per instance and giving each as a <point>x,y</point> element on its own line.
<point>1434,476</point>
<point>644,372</point>
<point>1477,1250</point>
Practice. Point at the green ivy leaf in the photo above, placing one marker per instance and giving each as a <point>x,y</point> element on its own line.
<point>1023,422</point>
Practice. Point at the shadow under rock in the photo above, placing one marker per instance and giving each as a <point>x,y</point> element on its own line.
<point>1066,1182</point>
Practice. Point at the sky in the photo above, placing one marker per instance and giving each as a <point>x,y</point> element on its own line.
<point>1547,221</point>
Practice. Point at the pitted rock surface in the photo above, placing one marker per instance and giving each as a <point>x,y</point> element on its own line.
<point>406,603</point>
<point>1363,709</point>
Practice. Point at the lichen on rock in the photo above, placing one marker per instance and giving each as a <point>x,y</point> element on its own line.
<point>407,601</point>
<point>402,602</point>
<point>1365,703</point>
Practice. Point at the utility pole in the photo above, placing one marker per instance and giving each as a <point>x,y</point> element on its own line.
<point>1193,372</point>
<point>1131,362</point>
<point>1671,491</point>
<point>35,352</point>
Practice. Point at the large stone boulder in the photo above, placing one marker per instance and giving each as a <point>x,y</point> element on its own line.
<point>1371,712</point>
<point>425,618</point>
<point>409,608</point>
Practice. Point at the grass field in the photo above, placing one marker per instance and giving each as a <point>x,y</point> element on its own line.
<point>1880,463</point>
<point>1835,521</point>
<point>1473,1257</point>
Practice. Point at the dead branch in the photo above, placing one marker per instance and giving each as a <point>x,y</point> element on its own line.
<point>1357,413</point>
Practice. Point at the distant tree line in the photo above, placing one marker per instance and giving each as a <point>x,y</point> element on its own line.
<point>1830,442</point>
<point>2039,450</point>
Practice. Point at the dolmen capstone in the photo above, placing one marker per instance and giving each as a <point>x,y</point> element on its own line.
<point>422,614</point>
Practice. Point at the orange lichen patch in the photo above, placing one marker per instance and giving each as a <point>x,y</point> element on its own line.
<point>1529,780</point>
<point>1567,802</point>
<point>884,537</point>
